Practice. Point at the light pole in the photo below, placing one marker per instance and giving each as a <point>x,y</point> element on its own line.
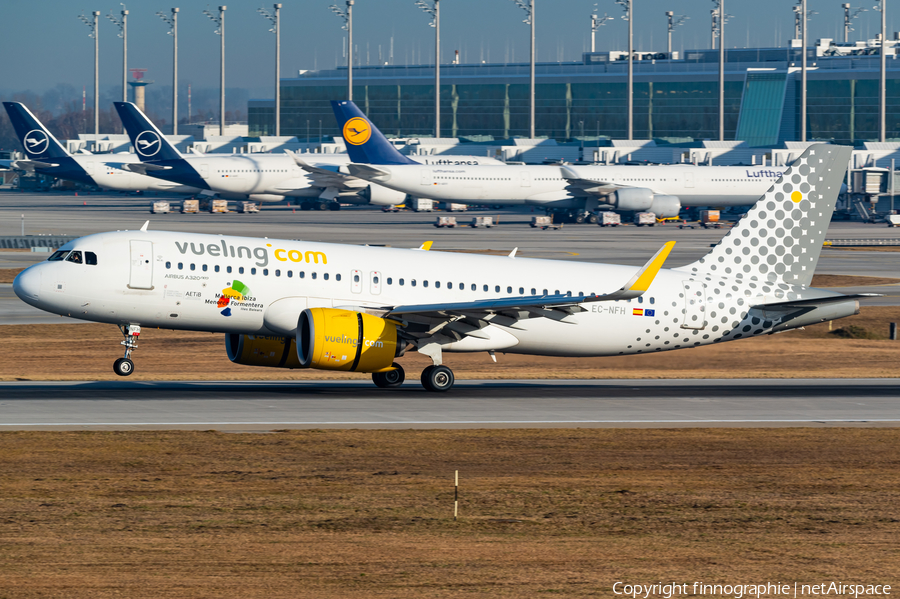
<point>596,23</point>
<point>848,18</point>
<point>673,22</point>
<point>720,21</point>
<point>882,106</point>
<point>173,31</point>
<point>803,71</point>
<point>347,16</point>
<point>434,10</point>
<point>276,29</point>
<point>123,33</point>
<point>627,6</point>
<point>93,25</point>
<point>220,31</point>
<point>529,20</point>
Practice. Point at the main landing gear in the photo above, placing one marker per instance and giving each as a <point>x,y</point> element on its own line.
<point>392,378</point>
<point>437,378</point>
<point>124,366</point>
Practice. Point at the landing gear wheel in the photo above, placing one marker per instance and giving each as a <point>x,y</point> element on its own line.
<point>334,206</point>
<point>579,219</point>
<point>322,206</point>
<point>392,378</point>
<point>593,219</point>
<point>123,367</point>
<point>437,378</point>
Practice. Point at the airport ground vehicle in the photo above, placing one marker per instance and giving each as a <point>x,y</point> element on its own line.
<point>642,219</point>
<point>445,221</point>
<point>609,219</point>
<point>301,304</point>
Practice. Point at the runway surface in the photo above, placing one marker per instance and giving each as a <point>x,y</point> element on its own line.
<point>261,406</point>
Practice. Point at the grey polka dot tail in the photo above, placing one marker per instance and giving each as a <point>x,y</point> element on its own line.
<point>779,240</point>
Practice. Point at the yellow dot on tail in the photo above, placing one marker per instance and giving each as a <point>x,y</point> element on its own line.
<point>796,197</point>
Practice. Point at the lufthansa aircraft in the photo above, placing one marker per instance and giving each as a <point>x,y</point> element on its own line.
<point>662,189</point>
<point>260,177</point>
<point>302,304</point>
<point>48,157</point>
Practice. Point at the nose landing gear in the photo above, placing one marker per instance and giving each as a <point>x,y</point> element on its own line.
<point>124,366</point>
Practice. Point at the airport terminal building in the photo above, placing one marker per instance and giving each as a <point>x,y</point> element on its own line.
<point>675,100</point>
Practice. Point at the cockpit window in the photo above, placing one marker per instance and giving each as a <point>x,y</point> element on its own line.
<point>75,256</point>
<point>90,258</point>
<point>58,255</point>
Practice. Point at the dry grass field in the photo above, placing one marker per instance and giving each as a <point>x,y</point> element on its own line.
<point>359,514</point>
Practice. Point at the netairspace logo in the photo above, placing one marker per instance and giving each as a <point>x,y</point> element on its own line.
<point>739,591</point>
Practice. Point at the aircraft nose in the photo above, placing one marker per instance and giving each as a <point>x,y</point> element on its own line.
<point>27,285</point>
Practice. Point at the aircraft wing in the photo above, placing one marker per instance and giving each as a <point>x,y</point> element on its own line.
<point>459,319</point>
<point>578,184</point>
<point>30,165</point>
<point>142,168</point>
<point>369,172</point>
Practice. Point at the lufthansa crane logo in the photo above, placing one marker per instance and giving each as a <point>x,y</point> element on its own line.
<point>147,144</point>
<point>357,131</point>
<point>36,142</point>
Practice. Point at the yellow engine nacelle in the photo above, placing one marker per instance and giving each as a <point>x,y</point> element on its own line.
<point>332,339</point>
<point>262,350</point>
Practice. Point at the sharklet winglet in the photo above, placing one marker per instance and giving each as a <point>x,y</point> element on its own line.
<point>144,228</point>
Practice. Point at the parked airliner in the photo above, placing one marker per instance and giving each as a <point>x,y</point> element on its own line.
<point>262,177</point>
<point>48,157</point>
<point>303,304</point>
<point>662,189</point>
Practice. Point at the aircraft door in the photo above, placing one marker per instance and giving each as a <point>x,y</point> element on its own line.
<point>141,276</point>
<point>203,169</point>
<point>525,178</point>
<point>689,180</point>
<point>694,305</point>
<point>375,282</point>
<point>356,281</point>
<point>427,176</point>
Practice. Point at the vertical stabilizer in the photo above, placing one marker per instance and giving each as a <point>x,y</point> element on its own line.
<point>38,142</point>
<point>148,141</point>
<point>780,238</point>
<point>365,143</point>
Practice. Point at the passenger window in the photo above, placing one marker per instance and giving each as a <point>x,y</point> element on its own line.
<point>325,276</point>
<point>337,277</point>
<point>168,265</point>
<point>474,287</point>
<point>90,258</point>
<point>546,292</point>
<point>437,285</point>
<point>193,266</point>
<point>533,291</point>
<point>290,274</point>
<point>390,281</point>
<point>413,282</point>
<point>496,288</point>
<point>241,270</point>
<point>424,283</point>
<point>74,257</point>
<point>252,271</point>
<point>314,275</point>
<point>205,268</point>
<point>58,255</point>
<point>228,269</point>
<point>374,279</point>
<point>640,299</point>
<point>181,266</point>
<point>401,282</point>
<point>356,278</point>
<point>216,268</point>
<point>521,291</point>
<point>265,272</point>
<point>277,272</point>
<point>485,287</point>
<point>301,274</point>
<point>462,286</point>
<point>652,300</point>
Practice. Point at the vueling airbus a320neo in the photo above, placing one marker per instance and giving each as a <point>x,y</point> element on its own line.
<point>298,304</point>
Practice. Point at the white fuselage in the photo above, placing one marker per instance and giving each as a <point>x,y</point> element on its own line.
<point>106,171</point>
<point>546,185</point>
<point>259,174</point>
<point>177,281</point>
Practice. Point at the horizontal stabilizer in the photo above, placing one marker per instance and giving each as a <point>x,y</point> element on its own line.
<point>817,302</point>
<point>369,172</point>
<point>30,165</point>
<point>142,168</point>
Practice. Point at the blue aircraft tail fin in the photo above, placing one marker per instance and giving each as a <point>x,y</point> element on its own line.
<point>365,143</point>
<point>148,141</point>
<point>35,138</point>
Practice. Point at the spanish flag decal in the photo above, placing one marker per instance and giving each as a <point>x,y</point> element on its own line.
<point>637,312</point>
